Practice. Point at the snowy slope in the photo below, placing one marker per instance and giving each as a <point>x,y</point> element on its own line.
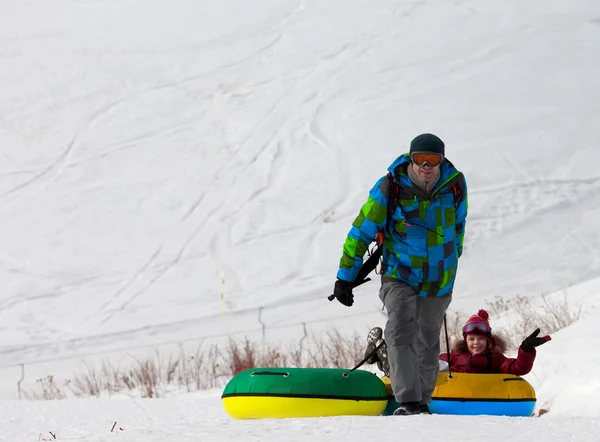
<point>564,374</point>
<point>200,417</point>
<point>147,148</point>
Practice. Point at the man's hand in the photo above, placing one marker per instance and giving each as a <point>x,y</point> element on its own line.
<point>343,292</point>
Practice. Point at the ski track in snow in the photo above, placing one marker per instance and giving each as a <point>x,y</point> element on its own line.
<point>62,162</point>
<point>197,226</point>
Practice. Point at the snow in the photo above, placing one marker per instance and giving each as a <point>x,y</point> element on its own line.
<point>149,147</point>
<point>201,417</point>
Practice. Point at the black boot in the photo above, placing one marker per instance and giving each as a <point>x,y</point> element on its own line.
<point>382,360</point>
<point>425,409</point>
<point>373,339</point>
<point>408,408</point>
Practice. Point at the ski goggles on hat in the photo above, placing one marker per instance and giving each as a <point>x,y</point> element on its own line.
<point>422,158</point>
<point>480,327</point>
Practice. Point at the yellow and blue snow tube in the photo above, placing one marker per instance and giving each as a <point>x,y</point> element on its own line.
<point>473,394</point>
<point>262,393</point>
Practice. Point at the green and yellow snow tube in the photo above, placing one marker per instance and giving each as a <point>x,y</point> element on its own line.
<point>262,393</point>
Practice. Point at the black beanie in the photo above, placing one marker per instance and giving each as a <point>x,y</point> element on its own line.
<point>427,143</point>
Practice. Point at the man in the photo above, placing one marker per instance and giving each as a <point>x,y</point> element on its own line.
<point>421,208</point>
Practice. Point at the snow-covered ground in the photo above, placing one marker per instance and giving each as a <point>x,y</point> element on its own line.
<point>147,149</point>
<point>200,417</point>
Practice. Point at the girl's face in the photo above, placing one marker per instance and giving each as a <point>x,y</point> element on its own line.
<point>476,344</point>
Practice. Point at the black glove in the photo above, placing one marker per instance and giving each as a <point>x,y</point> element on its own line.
<point>343,292</point>
<point>532,341</point>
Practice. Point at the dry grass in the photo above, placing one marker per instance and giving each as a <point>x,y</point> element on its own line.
<point>520,316</point>
<point>523,315</point>
<point>205,368</point>
<point>47,388</point>
<point>211,367</point>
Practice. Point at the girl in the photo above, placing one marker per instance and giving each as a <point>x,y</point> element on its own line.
<point>482,352</point>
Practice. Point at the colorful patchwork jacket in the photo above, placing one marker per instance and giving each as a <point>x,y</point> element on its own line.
<point>425,237</point>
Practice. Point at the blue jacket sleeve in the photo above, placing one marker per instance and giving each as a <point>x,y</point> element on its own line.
<point>370,220</point>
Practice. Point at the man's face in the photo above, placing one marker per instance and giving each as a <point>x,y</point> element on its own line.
<point>425,172</point>
<point>426,165</point>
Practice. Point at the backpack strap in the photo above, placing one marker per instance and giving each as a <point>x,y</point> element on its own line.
<point>392,203</point>
<point>393,199</point>
<point>458,190</point>
<point>454,192</point>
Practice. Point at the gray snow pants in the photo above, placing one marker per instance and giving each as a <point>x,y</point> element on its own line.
<point>412,336</point>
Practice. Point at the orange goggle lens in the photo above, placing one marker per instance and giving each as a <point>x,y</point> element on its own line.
<point>433,159</point>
